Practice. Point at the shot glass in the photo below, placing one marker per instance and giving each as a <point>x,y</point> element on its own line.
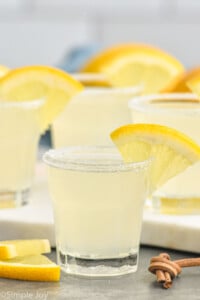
<point>19,135</point>
<point>91,115</point>
<point>181,194</point>
<point>98,204</point>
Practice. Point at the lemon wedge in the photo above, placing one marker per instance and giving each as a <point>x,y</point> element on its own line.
<point>171,151</point>
<point>136,64</point>
<point>33,268</point>
<point>28,83</point>
<point>3,70</point>
<point>15,248</point>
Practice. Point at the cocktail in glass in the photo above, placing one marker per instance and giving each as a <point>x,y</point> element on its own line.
<point>91,115</point>
<point>98,203</point>
<point>19,136</point>
<point>180,194</point>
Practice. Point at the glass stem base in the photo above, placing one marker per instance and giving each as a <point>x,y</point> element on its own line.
<point>97,267</point>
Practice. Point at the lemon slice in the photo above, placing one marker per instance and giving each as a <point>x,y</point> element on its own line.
<point>171,151</point>
<point>28,83</point>
<point>14,248</point>
<point>181,84</point>
<point>136,64</point>
<point>194,84</point>
<point>34,268</point>
<point>91,79</point>
<point>3,70</point>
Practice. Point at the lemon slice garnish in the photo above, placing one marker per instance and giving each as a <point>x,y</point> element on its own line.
<point>136,64</point>
<point>193,83</point>
<point>28,83</point>
<point>3,70</point>
<point>171,151</point>
<point>181,85</point>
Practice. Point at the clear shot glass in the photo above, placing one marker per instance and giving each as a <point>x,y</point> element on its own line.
<point>181,194</point>
<point>91,115</point>
<point>19,136</point>
<point>98,204</point>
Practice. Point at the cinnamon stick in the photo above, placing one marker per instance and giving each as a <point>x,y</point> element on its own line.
<point>166,270</point>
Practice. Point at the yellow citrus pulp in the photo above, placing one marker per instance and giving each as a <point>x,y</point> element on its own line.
<point>13,248</point>
<point>171,151</point>
<point>181,84</point>
<point>136,64</point>
<point>193,83</point>
<point>28,83</point>
<point>22,259</point>
<point>33,268</point>
<point>3,70</point>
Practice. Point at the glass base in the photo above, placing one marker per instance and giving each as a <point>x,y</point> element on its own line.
<point>174,206</point>
<point>98,267</point>
<point>12,199</point>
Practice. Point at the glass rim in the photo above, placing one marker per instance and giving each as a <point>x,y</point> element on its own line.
<point>26,104</point>
<point>98,77</point>
<point>89,76</point>
<point>66,158</point>
<point>142,103</point>
<point>113,90</point>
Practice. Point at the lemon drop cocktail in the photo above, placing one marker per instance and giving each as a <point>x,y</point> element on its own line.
<point>27,107</point>
<point>180,194</point>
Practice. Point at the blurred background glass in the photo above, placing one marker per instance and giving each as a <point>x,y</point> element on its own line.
<point>65,33</point>
<point>44,31</point>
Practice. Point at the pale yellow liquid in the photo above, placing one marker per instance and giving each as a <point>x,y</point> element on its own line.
<point>98,214</point>
<point>90,117</point>
<point>185,186</point>
<point>19,135</point>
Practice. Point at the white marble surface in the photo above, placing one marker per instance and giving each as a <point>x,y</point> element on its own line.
<point>36,221</point>
<point>171,231</point>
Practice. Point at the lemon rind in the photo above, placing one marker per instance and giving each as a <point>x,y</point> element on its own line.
<point>154,133</point>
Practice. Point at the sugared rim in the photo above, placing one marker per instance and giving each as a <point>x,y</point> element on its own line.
<point>88,77</point>
<point>27,104</point>
<point>98,77</point>
<point>91,159</point>
<point>131,90</point>
<point>144,103</point>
